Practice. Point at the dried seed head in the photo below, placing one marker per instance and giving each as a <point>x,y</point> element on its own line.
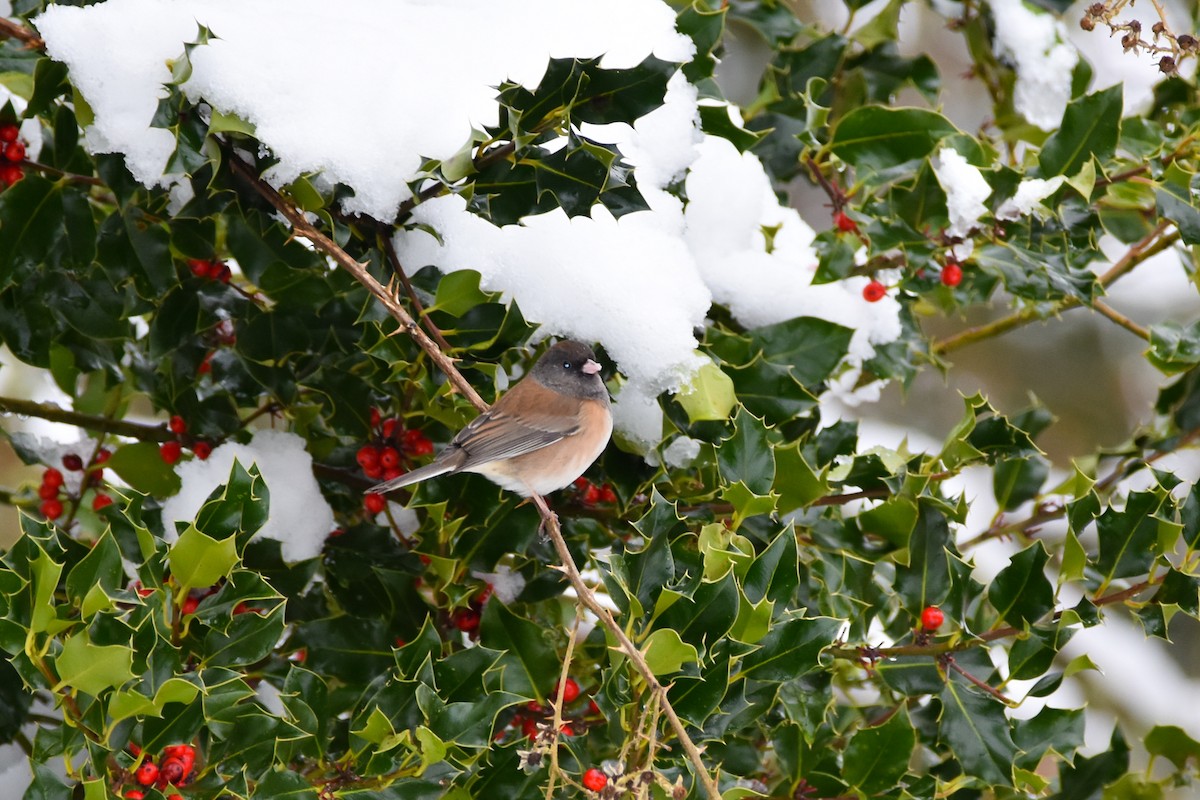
<point>1166,65</point>
<point>1129,41</point>
<point>1186,42</point>
<point>1087,24</point>
<point>1135,26</point>
<point>1096,10</point>
<point>1159,28</point>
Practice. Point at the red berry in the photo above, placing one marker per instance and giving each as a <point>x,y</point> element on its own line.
<point>570,691</point>
<point>15,152</point>
<point>189,607</point>
<point>177,750</point>
<point>844,223</point>
<point>389,458</point>
<point>374,503</point>
<point>9,133</point>
<point>591,495</point>
<point>103,455</point>
<point>607,495</point>
<point>594,780</point>
<point>72,462</point>
<point>172,771</point>
<point>932,618</point>
<point>423,447</point>
<point>566,729</point>
<point>147,773</point>
<point>101,501</point>
<point>392,474</point>
<point>134,794</point>
<point>874,291</point>
<point>177,425</point>
<point>241,608</point>
<point>51,509</point>
<point>367,457</point>
<point>52,477</point>
<point>375,417</point>
<point>170,451</point>
<point>202,450</point>
<point>389,427</point>
<point>219,271</point>
<point>952,274</point>
<point>465,619</point>
<point>47,492</point>
<point>581,483</point>
<point>529,728</point>
<point>10,174</point>
<point>142,591</point>
<point>198,266</point>
<point>174,797</point>
<point>593,709</point>
<point>205,363</point>
<point>374,473</point>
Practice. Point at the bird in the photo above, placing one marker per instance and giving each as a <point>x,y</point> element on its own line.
<point>541,434</point>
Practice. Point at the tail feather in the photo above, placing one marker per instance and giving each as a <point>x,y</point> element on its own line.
<point>416,476</point>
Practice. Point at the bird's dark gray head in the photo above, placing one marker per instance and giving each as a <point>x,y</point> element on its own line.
<point>571,368</point>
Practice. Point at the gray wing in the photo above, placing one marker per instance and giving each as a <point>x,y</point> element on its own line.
<point>494,435</point>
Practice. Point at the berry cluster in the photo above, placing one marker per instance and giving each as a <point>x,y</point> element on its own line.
<point>174,768</point>
<point>951,275</point>
<point>533,718</point>
<point>391,447</point>
<point>12,156</point>
<point>171,450</point>
<point>590,494</point>
<point>843,222</point>
<point>211,270</point>
<point>388,454</point>
<point>52,490</point>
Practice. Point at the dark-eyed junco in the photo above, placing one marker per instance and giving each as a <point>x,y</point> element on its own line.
<point>540,436</point>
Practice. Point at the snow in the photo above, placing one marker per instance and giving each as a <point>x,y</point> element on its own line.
<point>299,518</point>
<point>271,65</point>
<point>1029,195</point>
<point>640,285</point>
<point>1036,42</point>
<point>965,188</point>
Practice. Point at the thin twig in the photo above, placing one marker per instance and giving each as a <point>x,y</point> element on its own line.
<point>1151,244</point>
<point>389,249</point>
<point>627,647</point>
<point>1122,320</point>
<point>557,704</point>
<point>48,411</point>
<point>14,30</point>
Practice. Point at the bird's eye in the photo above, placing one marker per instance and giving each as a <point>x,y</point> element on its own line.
<point>566,365</point>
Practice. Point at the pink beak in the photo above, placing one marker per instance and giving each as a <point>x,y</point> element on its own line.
<point>590,367</point>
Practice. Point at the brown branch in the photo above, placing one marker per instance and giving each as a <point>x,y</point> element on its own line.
<point>389,249</point>
<point>938,649</point>
<point>302,227</point>
<point>1151,244</point>
<point>48,411</point>
<point>982,684</point>
<point>305,229</point>
<point>15,30</point>
<point>1122,320</point>
<point>58,173</point>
